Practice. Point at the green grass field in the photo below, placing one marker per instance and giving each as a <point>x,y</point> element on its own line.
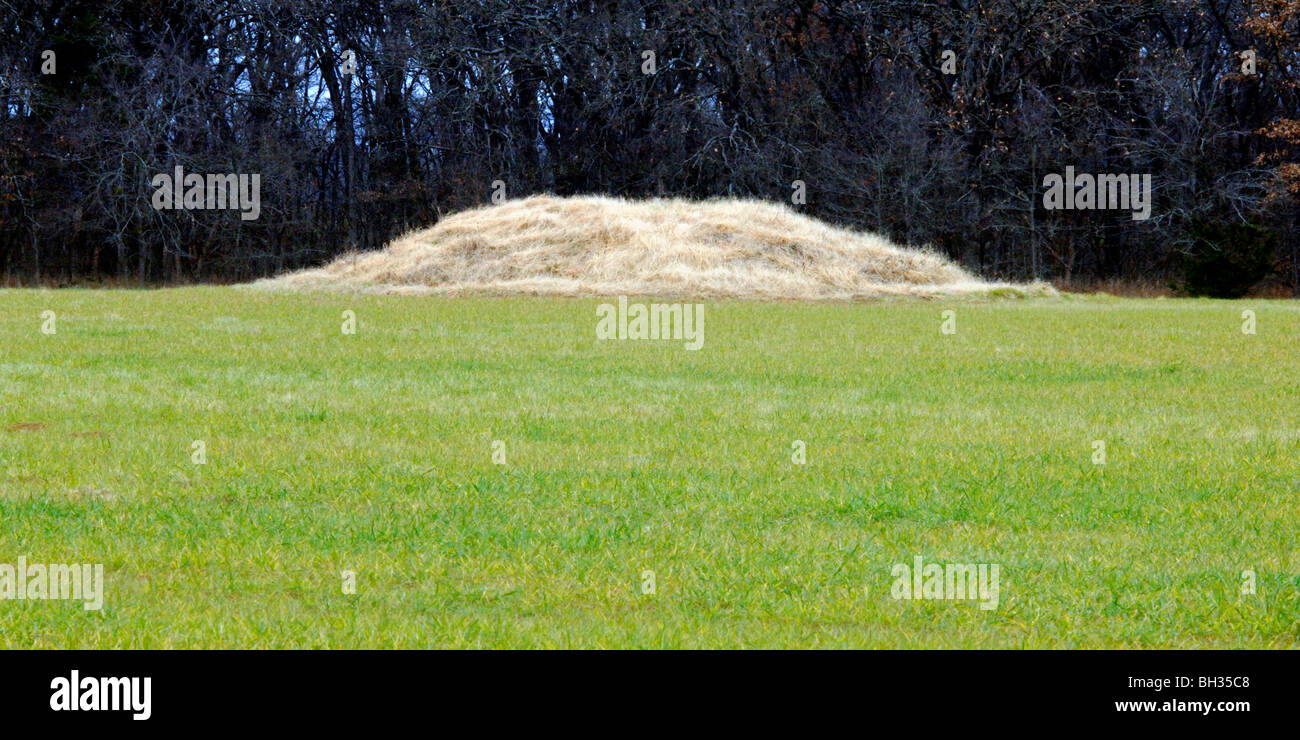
<point>373,453</point>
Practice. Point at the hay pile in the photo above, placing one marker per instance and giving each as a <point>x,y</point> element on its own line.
<point>604,246</point>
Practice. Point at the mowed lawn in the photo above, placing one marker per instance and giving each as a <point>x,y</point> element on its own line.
<point>373,453</point>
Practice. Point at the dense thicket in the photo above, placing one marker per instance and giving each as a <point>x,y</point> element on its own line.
<point>747,96</point>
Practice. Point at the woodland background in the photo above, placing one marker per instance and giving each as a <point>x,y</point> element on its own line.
<point>747,97</point>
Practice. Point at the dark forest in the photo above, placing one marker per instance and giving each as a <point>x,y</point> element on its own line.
<point>934,123</point>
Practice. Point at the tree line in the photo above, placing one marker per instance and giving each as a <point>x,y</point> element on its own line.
<point>933,122</point>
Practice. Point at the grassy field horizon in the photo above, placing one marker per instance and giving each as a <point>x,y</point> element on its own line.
<point>495,476</point>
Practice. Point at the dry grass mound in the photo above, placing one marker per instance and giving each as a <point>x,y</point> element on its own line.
<point>590,245</point>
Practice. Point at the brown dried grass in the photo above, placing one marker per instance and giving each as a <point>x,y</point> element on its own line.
<point>601,246</point>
